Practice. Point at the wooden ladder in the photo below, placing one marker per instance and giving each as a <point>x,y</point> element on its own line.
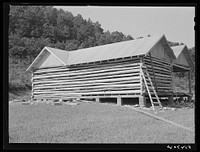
<point>145,73</point>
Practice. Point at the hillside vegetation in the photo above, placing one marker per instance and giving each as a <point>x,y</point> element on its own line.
<point>33,27</point>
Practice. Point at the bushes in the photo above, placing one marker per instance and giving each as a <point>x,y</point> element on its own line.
<point>19,78</point>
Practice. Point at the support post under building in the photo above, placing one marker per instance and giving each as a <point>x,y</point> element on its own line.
<point>190,88</point>
<point>119,101</point>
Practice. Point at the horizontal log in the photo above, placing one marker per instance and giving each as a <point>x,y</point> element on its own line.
<point>87,97</point>
<point>114,67</point>
<point>87,90</point>
<point>158,68</point>
<point>160,75</point>
<point>165,72</point>
<point>68,73</point>
<point>60,81</point>
<point>157,60</point>
<point>89,87</point>
<point>84,84</point>
<point>98,92</point>
<point>89,75</point>
<point>156,64</point>
<point>95,78</point>
<point>86,68</point>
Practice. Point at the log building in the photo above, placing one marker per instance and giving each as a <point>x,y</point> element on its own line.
<point>107,71</point>
<point>183,63</point>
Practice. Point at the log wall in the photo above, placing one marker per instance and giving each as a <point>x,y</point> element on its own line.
<point>163,75</point>
<point>110,79</point>
<point>104,79</point>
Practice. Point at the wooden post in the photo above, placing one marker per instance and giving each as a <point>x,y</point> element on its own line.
<point>142,98</point>
<point>119,101</point>
<point>190,88</point>
<point>171,100</point>
<point>32,75</point>
<point>189,77</point>
<point>154,78</point>
<point>142,101</point>
<point>97,100</point>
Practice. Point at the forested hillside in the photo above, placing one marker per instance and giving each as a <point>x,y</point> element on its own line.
<point>33,27</point>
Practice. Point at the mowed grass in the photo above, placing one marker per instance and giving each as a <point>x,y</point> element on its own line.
<point>94,123</point>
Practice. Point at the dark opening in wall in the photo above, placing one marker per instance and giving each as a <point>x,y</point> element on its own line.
<point>108,100</point>
<point>130,101</point>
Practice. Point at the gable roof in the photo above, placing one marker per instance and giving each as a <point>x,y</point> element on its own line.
<point>61,55</point>
<point>110,51</point>
<point>115,50</point>
<point>182,49</point>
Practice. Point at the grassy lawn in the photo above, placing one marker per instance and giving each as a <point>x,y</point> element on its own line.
<point>95,123</point>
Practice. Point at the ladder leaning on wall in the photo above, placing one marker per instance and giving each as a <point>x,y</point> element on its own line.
<point>144,73</point>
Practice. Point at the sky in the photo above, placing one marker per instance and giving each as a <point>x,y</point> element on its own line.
<point>176,23</point>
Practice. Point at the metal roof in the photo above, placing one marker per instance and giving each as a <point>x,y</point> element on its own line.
<point>62,55</point>
<point>110,51</point>
<point>183,49</point>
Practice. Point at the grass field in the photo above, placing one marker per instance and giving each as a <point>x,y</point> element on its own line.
<point>95,123</point>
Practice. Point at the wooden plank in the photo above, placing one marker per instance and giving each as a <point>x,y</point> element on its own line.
<point>189,77</point>
<point>162,119</point>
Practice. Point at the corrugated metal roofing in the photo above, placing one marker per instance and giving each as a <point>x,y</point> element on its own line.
<point>110,51</point>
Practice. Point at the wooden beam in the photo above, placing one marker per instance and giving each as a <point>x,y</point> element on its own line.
<point>119,101</point>
<point>142,100</point>
<point>97,99</point>
<point>189,77</point>
<point>154,78</point>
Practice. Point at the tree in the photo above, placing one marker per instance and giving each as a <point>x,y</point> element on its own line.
<point>31,28</point>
